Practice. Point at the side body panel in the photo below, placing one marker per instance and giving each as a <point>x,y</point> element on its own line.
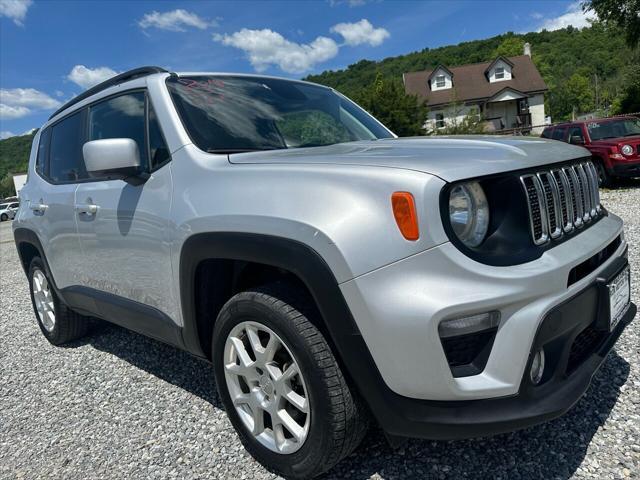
<point>55,226</point>
<point>124,244</point>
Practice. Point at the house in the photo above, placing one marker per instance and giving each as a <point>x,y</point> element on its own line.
<point>507,92</point>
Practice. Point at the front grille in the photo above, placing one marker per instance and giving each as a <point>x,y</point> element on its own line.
<point>561,200</point>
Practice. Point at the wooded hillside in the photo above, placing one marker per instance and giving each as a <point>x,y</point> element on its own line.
<point>571,61</point>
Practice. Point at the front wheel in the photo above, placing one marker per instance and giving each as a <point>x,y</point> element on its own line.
<point>281,385</point>
<point>605,180</point>
<point>4,217</point>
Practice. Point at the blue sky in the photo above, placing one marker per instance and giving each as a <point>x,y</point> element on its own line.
<point>52,50</point>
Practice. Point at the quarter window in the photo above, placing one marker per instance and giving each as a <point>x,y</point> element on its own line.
<point>120,117</point>
<point>43,152</point>
<point>66,163</point>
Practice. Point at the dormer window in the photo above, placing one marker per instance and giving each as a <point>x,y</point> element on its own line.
<point>440,81</point>
<point>499,73</point>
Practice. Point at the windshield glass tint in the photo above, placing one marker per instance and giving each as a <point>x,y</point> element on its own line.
<point>613,129</point>
<point>225,114</point>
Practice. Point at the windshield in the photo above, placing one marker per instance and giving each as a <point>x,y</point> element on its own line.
<point>625,127</point>
<point>227,114</point>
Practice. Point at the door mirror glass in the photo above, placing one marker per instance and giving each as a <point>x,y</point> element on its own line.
<point>576,140</point>
<point>113,158</point>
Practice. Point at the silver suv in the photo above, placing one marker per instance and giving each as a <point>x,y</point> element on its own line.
<point>333,274</point>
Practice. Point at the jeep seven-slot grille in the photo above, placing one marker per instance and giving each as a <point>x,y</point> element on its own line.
<point>561,200</point>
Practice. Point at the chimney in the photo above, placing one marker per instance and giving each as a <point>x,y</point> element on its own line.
<point>527,49</point>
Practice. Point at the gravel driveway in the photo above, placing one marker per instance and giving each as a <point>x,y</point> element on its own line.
<point>117,405</point>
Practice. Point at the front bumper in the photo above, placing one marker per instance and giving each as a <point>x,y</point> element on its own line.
<point>627,169</point>
<point>398,308</point>
<point>532,405</point>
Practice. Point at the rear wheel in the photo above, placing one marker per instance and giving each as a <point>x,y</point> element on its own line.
<point>281,385</point>
<point>58,323</point>
<point>4,217</point>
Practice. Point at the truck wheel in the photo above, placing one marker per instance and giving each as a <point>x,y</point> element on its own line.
<point>281,385</point>
<point>58,323</point>
<point>604,179</point>
<point>4,217</point>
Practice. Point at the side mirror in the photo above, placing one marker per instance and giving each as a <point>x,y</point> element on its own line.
<point>576,140</point>
<point>114,158</point>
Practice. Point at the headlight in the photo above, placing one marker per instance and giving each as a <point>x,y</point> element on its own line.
<point>469,213</point>
<point>627,150</point>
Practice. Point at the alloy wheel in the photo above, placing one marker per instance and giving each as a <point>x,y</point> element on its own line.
<point>43,299</point>
<point>267,387</point>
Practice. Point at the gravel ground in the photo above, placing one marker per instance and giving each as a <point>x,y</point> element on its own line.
<point>118,405</point>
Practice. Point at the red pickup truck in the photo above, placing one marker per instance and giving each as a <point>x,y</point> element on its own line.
<point>613,142</point>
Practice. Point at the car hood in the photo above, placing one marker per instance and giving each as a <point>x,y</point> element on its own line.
<point>449,157</point>
<point>610,142</point>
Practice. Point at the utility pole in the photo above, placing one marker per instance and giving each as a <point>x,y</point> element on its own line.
<point>597,99</point>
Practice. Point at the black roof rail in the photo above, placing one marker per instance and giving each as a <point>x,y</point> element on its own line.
<point>120,78</point>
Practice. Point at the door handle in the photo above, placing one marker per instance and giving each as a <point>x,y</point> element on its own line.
<point>87,208</point>
<point>38,207</point>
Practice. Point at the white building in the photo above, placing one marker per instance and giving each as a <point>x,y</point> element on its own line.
<point>507,92</point>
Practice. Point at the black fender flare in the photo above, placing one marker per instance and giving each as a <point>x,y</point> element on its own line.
<point>25,235</point>
<point>307,264</point>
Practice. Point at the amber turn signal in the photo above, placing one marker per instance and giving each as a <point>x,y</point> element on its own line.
<point>404,210</point>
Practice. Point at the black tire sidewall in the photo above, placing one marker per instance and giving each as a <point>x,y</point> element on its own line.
<point>4,217</point>
<point>319,437</point>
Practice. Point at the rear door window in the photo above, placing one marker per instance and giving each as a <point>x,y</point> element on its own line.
<point>66,164</point>
<point>558,133</point>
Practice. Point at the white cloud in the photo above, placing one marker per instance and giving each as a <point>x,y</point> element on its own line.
<point>19,102</point>
<point>88,77</point>
<point>175,20</point>
<point>6,134</point>
<point>537,16</point>
<point>361,32</point>
<point>266,47</point>
<point>16,10</point>
<point>574,16</point>
<point>7,111</point>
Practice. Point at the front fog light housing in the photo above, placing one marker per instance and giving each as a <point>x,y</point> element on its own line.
<point>537,367</point>
<point>627,150</point>
<point>456,327</point>
<point>469,213</point>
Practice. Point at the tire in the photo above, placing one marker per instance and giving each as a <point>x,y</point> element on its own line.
<point>336,421</point>
<point>58,323</point>
<point>4,217</point>
<point>605,180</point>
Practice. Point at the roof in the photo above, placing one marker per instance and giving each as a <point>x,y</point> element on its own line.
<point>471,84</point>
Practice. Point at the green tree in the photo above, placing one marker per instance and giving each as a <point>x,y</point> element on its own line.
<point>576,95</point>
<point>625,14</point>
<point>510,47</point>
<point>628,101</point>
<point>386,100</point>
<point>6,186</point>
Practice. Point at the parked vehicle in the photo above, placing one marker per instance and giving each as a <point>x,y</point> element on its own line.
<point>333,273</point>
<point>8,210</point>
<point>613,142</point>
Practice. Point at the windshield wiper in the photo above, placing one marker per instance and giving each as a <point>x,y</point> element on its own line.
<point>631,134</point>
<point>225,151</point>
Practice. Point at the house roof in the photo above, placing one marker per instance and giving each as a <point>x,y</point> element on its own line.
<point>471,84</point>
<point>440,67</point>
